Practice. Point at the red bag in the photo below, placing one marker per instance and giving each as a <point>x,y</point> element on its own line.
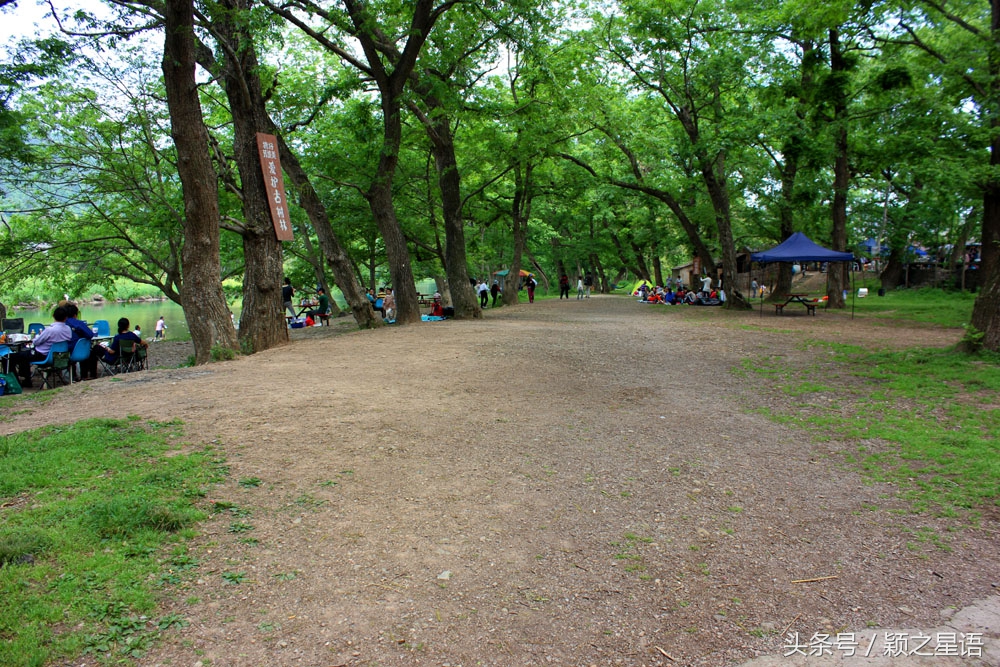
<point>309,321</point>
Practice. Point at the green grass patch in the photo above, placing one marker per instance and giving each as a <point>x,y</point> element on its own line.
<point>938,409</point>
<point>926,305</point>
<point>96,518</point>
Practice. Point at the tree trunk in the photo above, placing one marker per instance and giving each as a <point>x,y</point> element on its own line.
<point>986,310</point>
<point>892,275</point>
<point>715,181</point>
<point>835,273</point>
<point>464,299</point>
<point>379,198</point>
<point>519,210</point>
<point>333,251</point>
<point>713,173</point>
<point>600,276</point>
<point>262,322</point>
<point>203,300</point>
<point>391,87</point>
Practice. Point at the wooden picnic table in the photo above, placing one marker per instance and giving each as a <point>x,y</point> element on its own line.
<point>810,304</point>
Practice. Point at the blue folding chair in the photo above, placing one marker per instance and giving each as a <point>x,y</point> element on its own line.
<point>103,328</point>
<point>80,353</point>
<point>53,365</point>
<point>35,328</point>
<point>5,353</point>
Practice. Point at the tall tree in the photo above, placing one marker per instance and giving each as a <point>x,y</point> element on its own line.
<point>390,67</point>
<point>677,52</point>
<point>205,307</point>
<point>262,324</point>
<point>963,41</point>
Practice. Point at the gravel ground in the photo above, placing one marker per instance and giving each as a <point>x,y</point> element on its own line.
<point>569,483</point>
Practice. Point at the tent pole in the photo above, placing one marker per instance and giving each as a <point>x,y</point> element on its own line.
<point>854,291</point>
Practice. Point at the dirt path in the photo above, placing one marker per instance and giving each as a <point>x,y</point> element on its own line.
<point>567,483</point>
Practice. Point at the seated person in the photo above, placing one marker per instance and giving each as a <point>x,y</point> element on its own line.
<point>57,332</point>
<point>323,307</point>
<point>378,303</point>
<point>110,353</point>
<point>669,297</point>
<point>436,309</point>
<point>690,297</point>
<point>655,298</point>
<point>80,330</point>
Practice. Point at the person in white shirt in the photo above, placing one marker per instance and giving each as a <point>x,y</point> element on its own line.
<point>484,293</point>
<point>57,332</point>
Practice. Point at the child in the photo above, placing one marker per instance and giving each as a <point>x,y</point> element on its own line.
<point>389,305</point>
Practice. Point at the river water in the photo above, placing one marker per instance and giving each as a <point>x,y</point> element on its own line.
<point>143,313</point>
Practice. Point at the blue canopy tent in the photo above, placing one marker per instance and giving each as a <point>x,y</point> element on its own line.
<point>800,248</point>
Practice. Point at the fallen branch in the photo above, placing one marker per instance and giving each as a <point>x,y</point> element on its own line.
<point>789,625</point>
<point>806,581</point>
<point>672,658</point>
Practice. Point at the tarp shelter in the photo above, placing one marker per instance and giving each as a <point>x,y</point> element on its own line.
<point>800,248</point>
<point>502,275</point>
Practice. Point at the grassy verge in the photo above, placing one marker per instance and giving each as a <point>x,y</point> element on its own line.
<point>926,305</point>
<point>94,521</point>
<point>938,410</point>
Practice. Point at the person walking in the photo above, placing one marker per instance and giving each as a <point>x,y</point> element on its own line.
<point>588,283</point>
<point>563,286</point>
<point>160,329</point>
<point>531,283</point>
<point>484,293</point>
<point>495,292</point>
<point>579,287</point>
<point>287,292</point>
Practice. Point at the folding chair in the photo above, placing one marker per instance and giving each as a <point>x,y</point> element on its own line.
<point>80,353</point>
<point>112,367</point>
<point>53,365</point>
<point>5,353</point>
<point>131,357</point>
<point>103,328</point>
<point>35,328</point>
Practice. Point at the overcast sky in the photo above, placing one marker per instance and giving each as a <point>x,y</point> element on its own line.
<point>19,21</point>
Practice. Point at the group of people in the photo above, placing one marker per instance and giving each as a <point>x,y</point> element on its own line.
<point>288,295</point>
<point>584,284</point>
<point>66,327</point>
<point>485,292</point>
<point>383,302</point>
<point>658,294</point>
